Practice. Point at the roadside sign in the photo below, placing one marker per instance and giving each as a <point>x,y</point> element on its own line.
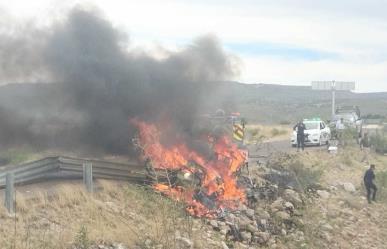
<point>238,132</point>
<point>322,85</point>
<point>333,86</point>
<point>345,86</point>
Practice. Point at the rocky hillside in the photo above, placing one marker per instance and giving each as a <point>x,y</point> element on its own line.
<point>267,103</point>
<point>295,200</point>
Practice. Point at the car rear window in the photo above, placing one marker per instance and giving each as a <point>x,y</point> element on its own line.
<point>312,125</point>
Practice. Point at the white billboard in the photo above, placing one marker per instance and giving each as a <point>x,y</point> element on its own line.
<point>322,85</point>
<point>333,85</point>
<point>345,86</point>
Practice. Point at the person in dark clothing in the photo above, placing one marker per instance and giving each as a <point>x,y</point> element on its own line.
<point>369,177</point>
<point>300,128</point>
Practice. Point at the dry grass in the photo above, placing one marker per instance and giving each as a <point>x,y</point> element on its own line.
<point>259,133</point>
<point>346,166</point>
<point>343,211</point>
<point>19,154</point>
<point>120,212</point>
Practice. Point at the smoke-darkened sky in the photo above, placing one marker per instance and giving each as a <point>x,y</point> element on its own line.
<point>289,42</point>
<point>99,81</point>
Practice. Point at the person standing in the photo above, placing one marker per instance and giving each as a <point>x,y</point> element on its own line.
<point>369,178</point>
<point>300,128</point>
<point>340,127</point>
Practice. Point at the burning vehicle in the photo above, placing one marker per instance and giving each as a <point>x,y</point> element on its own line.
<point>213,175</point>
<point>98,85</point>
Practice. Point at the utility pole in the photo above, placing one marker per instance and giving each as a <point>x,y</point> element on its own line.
<point>333,86</point>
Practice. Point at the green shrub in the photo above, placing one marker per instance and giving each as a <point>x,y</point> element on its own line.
<point>81,239</point>
<point>379,143</point>
<point>285,122</point>
<point>16,156</point>
<point>306,177</point>
<point>254,132</point>
<point>277,132</point>
<point>274,132</point>
<point>381,182</point>
<point>346,158</point>
<point>349,136</point>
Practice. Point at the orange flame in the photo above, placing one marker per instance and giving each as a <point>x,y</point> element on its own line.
<point>218,181</point>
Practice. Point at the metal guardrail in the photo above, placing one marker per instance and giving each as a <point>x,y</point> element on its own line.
<point>70,167</point>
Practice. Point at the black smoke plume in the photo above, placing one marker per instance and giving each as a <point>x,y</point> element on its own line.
<point>101,82</point>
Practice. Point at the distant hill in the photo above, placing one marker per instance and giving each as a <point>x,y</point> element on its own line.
<point>257,102</point>
<point>276,103</point>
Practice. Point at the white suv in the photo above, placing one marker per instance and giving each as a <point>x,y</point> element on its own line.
<point>316,133</point>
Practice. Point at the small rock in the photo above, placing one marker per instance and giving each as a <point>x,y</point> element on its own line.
<point>292,196</point>
<point>112,206</point>
<point>297,236</point>
<point>326,236</point>
<point>214,224</point>
<point>251,228</point>
<point>243,222</point>
<point>242,207</point>
<point>342,166</point>
<point>282,215</point>
<point>184,243</point>
<point>289,206</point>
<point>224,228</point>
<point>299,221</point>
<point>277,205</point>
<point>224,245</point>
<point>333,188</point>
<point>323,194</point>
<point>250,213</point>
<point>230,218</point>
<point>262,237</point>
<point>327,227</point>
<point>349,187</point>
<point>224,231</point>
<point>240,245</point>
<point>262,214</point>
<point>148,242</point>
<point>246,236</point>
<point>119,246</point>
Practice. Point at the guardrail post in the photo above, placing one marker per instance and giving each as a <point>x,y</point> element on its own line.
<point>88,176</point>
<point>9,199</point>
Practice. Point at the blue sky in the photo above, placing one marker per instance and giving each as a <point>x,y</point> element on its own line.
<point>281,51</point>
<point>281,41</point>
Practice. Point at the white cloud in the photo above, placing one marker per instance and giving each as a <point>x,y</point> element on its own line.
<point>368,77</point>
<point>355,30</point>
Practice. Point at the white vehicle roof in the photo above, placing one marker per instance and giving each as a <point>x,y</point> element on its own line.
<point>312,124</point>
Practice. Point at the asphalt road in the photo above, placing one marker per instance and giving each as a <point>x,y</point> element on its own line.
<point>261,152</point>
